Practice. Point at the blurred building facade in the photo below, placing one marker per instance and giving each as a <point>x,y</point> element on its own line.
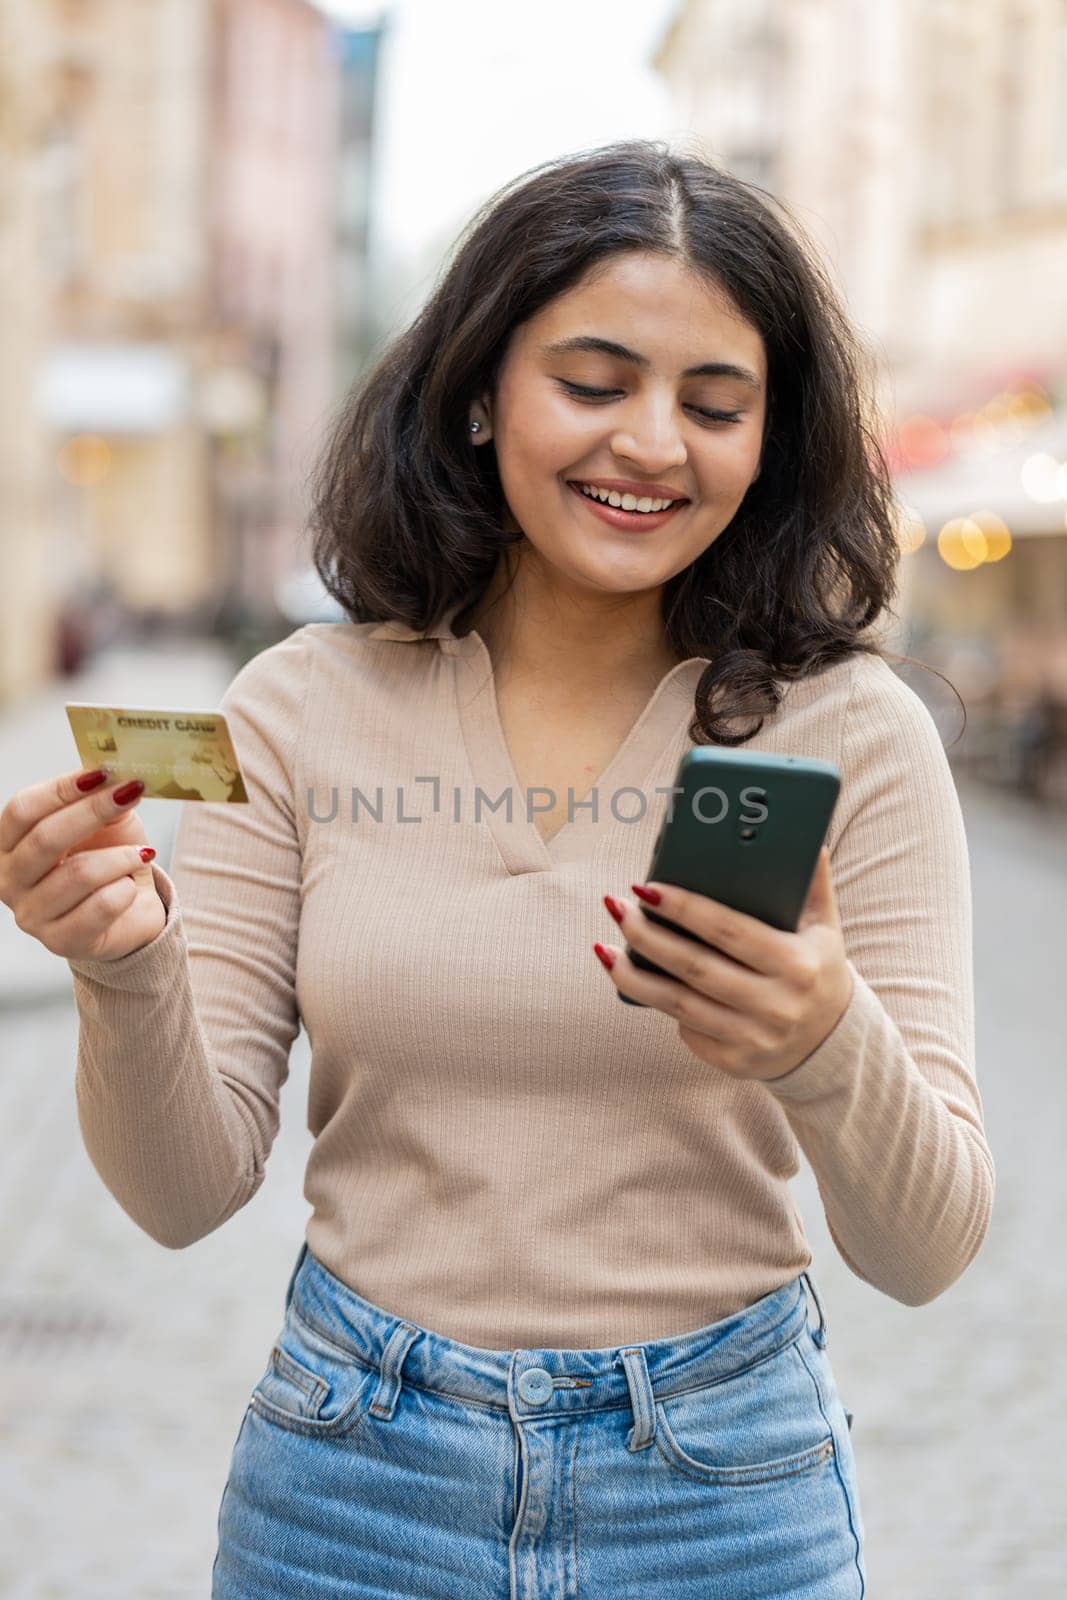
<point>275,118</point>
<point>923,145</point>
<point>27,560</point>
<point>169,221</point>
<point>124,256</point>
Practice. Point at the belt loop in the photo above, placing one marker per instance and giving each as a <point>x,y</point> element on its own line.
<point>819,1333</point>
<point>385,1395</point>
<point>642,1399</point>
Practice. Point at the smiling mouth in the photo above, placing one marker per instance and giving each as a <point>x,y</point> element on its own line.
<point>626,521</point>
<point>593,491</point>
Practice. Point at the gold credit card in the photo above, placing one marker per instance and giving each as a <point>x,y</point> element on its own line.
<point>179,755</point>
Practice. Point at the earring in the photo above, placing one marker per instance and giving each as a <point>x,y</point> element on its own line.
<point>476,427</point>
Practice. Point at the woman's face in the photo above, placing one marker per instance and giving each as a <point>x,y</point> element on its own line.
<point>698,436</point>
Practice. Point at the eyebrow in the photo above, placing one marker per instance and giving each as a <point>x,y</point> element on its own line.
<point>608,347</point>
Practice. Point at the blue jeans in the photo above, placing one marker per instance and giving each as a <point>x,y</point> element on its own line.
<point>377,1458</point>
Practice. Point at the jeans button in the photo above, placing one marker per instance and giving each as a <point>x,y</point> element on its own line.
<point>535,1386</point>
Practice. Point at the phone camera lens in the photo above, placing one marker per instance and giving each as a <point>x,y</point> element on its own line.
<point>748,833</point>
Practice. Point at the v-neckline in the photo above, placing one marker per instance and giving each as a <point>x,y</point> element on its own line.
<point>518,840</point>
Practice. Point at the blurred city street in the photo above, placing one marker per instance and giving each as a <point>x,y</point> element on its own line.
<point>126,1368</point>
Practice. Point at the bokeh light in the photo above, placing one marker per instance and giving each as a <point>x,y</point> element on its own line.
<point>922,441</point>
<point>997,534</point>
<point>1040,478</point>
<point>84,459</point>
<point>974,430</point>
<point>1031,404</point>
<point>961,544</point>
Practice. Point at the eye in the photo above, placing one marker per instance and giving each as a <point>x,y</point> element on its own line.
<point>579,391</point>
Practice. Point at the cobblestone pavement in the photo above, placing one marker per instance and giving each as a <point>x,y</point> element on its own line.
<point>126,1368</point>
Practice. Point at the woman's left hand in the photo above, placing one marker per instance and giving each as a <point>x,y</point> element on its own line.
<point>758,1003</point>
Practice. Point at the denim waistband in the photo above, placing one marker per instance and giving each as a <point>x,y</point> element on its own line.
<point>544,1381</point>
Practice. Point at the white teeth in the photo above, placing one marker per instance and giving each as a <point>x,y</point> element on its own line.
<point>625,502</point>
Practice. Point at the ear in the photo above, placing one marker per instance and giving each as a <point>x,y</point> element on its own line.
<point>480,413</point>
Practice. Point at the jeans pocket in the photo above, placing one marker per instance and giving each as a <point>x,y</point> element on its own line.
<point>312,1385</point>
<point>751,1427</point>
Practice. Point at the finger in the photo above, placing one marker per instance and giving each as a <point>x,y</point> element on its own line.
<point>44,821</point>
<point>748,940</point>
<point>83,928</point>
<point>70,883</point>
<point>675,1000</point>
<point>25,809</point>
<point>821,903</point>
<point>692,962</point>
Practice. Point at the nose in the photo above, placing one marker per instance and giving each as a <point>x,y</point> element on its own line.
<point>652,442</point>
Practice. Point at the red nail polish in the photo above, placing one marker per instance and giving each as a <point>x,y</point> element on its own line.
<point>614,909</point>
<point>606,956</point>
<point>651,896</point>
<point>128,792</point>
<point>147,854</point>
<point>89,780</point>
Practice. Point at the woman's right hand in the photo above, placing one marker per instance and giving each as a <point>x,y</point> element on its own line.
<point>71,870</point>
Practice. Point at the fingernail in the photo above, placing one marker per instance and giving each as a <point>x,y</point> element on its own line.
<point>614,908</point>
<point>89,780</point>
<point>606,956</point>
<point>128,792</point>
<point>147,854</point>
<point>651,896</point>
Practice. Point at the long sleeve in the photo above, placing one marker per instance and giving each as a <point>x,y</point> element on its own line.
<point>184,1044</point>
<point>887,1108</point>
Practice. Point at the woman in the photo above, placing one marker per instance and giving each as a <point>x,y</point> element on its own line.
<point>549,1330</point>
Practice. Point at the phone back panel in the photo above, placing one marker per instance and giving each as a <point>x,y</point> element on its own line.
<point>746,830</point>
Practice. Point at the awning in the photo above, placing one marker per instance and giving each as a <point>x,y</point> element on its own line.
<point>112,387</point>
<point>989,478</point>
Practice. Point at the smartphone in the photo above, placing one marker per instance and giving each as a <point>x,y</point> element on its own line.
<point>744,827</point>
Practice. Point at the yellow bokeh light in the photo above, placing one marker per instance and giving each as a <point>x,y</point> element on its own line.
<point>84,459</point>
<point>971,429</point>
<point>961,544</point>
<point>1003,415</point>
<point>997,534</point>
<point>1032,403</point>
<point>974,540</point>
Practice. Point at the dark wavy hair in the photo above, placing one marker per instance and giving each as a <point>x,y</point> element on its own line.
<point>407,515</point>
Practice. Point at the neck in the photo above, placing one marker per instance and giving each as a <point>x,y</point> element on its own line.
<point>565,641</point>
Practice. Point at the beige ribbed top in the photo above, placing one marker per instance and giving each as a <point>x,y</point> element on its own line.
<point>504,1152</point>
